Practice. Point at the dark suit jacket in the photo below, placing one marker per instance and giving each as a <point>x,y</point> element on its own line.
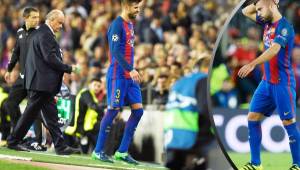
<point>44,67</point>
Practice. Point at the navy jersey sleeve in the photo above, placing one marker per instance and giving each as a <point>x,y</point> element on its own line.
<point>115,34</point>
<point>283,35</point>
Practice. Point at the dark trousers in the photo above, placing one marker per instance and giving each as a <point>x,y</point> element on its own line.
<point>18,93</point>
<point>5,123</point>
<point>39,101</point>
<point>183,160</point>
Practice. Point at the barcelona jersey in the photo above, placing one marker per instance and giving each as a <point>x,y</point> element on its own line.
<point>279,69</point>
<point>120,37</point>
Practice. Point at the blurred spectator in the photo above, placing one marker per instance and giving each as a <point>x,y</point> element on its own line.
<point>161,91</point>
<point>154,33</point>
<point>88,113</point>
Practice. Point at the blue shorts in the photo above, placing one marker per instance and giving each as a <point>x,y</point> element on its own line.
<point>122,92</point>
<point>268,97</point>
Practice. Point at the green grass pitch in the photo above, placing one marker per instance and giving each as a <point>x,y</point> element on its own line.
<point>15,166</point>
<point>80,160</point>
<point>270,161</point>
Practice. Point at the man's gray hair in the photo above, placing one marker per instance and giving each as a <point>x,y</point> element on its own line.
<point>53,14</point>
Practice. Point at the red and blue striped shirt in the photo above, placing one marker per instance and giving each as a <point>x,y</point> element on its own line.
<point>120,37</point>
<point>279,70</point>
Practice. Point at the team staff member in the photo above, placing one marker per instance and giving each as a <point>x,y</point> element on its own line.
<point>44,70</point>
<point>18,92</point>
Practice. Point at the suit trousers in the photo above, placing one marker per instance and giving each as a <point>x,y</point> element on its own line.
<point>39,101</point>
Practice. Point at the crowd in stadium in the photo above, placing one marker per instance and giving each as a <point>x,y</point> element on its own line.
<point>170,37</point>
<point>241,45</point>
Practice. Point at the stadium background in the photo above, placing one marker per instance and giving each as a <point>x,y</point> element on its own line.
<point>241,43</point>
<point>171,35</point>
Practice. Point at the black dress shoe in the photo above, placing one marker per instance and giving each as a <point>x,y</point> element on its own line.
<point>67,151</point>
<point>18,147</point>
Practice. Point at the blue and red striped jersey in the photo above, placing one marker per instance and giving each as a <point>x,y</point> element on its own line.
<point>120,37</point>
<point>279,69</point>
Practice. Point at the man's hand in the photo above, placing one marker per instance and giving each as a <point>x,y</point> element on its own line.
<point>75,69</point>
<point>7,77</point>
<point>245,70</point>
<point>135,76</point>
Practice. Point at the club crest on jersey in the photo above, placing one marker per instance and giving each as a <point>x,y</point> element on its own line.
<point>115,37</point>
<point>131,42</point>
<point>284,32</point>
<point>20,36</point>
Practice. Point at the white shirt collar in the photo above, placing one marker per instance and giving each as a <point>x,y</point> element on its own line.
<point>50,28</point>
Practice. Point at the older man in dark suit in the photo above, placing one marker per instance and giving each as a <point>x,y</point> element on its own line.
<point>44,70</point>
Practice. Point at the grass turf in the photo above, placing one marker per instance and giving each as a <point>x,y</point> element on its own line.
<point>5,165</point>
<point>79,160</point>
<point>270,161</point>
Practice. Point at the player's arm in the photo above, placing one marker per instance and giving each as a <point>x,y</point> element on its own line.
<point>13,60</point>
<point>266,56</point>
<point>114,37</point>
<point>280,41</point>
<point>250,11</point>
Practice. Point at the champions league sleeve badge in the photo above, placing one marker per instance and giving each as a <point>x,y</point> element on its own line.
<point>115,37</point>
<point>284,32</point>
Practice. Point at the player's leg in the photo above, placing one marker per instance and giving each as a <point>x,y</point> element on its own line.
<point>255,136</point>
<point>105,127</point>
<point>294,141</point>
<point>134,97</point>
<point>116,89</point>
<point>286,105</point>
<point>261,105</point>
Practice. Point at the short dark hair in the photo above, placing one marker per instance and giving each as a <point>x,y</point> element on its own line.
<point>130,1</point>
<point>95,79</point>
<point>27,10</point>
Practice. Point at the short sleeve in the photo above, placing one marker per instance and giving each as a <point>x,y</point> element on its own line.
<point>282,36</point>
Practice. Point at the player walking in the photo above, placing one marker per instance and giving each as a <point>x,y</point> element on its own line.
<point>277,89</point>
<point>122,83</point>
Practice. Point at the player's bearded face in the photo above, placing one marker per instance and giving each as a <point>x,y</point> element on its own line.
<point>134,10</point>
<point>264,12</point>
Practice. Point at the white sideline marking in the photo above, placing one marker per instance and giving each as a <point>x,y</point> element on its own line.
<point>49,154</point>
<point>15,157</point>
<point>120,167</point>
